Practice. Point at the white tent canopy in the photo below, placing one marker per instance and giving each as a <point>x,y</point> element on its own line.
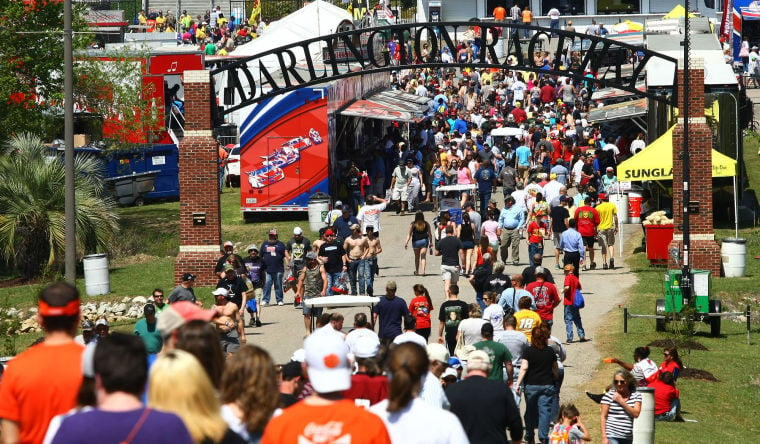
<point>313,20</point>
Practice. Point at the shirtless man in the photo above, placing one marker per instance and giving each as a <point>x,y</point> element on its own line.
<point>231,332</point>
<point>319,242</point>
<point>374,249</point>
<point>357,250</point>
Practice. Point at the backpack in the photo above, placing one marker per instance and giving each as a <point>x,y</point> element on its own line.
<point>560,435</point>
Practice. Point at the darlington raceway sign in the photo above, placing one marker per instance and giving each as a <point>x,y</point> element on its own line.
<point>249,80</point>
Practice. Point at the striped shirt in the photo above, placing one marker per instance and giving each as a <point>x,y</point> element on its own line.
<point>619,423</point>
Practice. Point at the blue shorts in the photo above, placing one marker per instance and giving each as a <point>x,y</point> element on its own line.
<point>468,245</point>
<point>421,243</point>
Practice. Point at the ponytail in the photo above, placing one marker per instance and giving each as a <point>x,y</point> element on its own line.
<point>408,363</point>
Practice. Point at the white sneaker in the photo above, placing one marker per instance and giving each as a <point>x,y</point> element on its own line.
<point>264,303</point>
<point>280,303</point>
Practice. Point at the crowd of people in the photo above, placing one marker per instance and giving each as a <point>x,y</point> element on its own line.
<point>215,32</point>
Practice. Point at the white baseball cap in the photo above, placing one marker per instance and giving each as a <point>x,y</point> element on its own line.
<point>220,292</point>
<point>327,362</point>
<point>437,352</point>
<point>366,346</point>
<point>297,231</point>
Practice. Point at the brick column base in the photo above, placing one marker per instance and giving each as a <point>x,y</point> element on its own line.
<point>199,263</point>
<point>703,255</point>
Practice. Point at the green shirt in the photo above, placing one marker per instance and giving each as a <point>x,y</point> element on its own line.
<point>150,336</point>
<point>499,355</point>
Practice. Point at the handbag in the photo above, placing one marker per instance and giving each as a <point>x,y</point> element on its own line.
<point>578,300</point>
<point>459,348</point>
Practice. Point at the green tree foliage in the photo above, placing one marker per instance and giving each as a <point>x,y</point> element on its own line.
<point>32,230</point>
<point>31,64</point>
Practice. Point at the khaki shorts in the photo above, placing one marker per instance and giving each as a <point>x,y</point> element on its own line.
<point>607,237</point>
<point>450,272</point>
<point>400,194</point>
<point>556,238</point>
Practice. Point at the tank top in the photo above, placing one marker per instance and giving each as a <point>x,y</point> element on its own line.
<point>419,235</point>
<point>312,285</point>
<point>466,233</point>
<point>462,178</point>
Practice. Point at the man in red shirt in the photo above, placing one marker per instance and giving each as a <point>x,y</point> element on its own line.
<point>588,219</point>
<point>519,114</point>
<point>537,232</point>
<point>547,93</point>
<point>545,295</point>
<point>43,381</point>
<point>572,313</point>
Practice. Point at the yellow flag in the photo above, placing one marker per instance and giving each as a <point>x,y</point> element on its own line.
<point>255,12</point>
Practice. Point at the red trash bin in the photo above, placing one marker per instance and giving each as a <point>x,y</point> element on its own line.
<point>658,239</point>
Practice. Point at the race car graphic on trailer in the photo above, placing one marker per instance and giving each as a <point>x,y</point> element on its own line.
<point>270,170</point>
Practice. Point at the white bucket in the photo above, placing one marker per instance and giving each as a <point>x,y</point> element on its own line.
<point>621,202</point>
<point>318,209</point>
<point>733,254</point>
<point>96,278</point>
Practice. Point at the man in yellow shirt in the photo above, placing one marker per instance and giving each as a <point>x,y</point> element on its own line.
<point>607,229</point>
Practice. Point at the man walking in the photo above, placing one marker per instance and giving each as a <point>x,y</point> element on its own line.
<point>147,329</point>
<point>511,222</point>
<point>295,256</point>
<point>546,296</point>
<point>256,275</point>
<point>229,327</point>
<point>184,291</point>
<point>572,313</point>
<point>498,354</point>
<point>357,249</point>
<point>571,243</point>
<point>587,219</point>
<point>452,255</point>
<point>451,313</point>
<point>390,311</point>
<point>399,187</point>
<point>608,228</point>
<point>312,283</point>
<point>333,257</point>
<point>273,254</point>
<point>559,218</point>
<point>43,381</point>
<point>485,408</point>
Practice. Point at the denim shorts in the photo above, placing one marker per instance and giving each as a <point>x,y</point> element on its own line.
<point>421,243</point>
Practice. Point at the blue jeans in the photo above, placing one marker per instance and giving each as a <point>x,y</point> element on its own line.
<point>371,267</point>
<point>332,279</point>
<point>620,440</point>
<point>221,178</point>
<point>533,249</point>
<point>573,316</point>
<point>484,198</point>
<point>357,270</point>
<point>670,415</point>
<point>538,410</point>
<point>479,300</point>
<point>275,278</point>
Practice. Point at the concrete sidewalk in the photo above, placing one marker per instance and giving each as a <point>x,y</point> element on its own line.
<point>604,290</point>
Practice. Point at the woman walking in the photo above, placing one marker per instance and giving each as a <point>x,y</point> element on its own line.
<point>620,406</point>
<point>421,236</point>
<point>538,371</point>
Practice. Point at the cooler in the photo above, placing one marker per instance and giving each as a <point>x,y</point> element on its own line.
<point>658,239</point>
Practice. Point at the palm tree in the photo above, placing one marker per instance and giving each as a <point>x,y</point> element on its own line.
<point>32,231</point>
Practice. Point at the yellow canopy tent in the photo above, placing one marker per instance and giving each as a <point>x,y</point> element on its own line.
<point>677,12</point>
<point>655,162</point>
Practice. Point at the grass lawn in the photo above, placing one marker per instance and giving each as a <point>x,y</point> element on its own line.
<point>720,408</point>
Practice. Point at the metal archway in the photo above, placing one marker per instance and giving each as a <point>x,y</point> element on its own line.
<point>249,80</point>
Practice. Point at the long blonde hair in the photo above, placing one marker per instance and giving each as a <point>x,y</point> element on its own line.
<point>188,393</point>
<point>250,381</point>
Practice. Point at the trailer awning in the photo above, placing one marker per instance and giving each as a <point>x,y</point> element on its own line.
<point>617,111</point>
<point>389,105</point>
<point>614,93</point>
<point>655,162</point>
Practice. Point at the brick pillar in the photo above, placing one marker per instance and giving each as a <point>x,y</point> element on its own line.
<point>199,185</point>
<point>704,251</point>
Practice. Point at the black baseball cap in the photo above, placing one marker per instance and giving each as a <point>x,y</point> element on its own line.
<point>149,309</point>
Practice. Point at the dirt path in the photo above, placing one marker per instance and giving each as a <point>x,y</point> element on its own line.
<point>604,290</point>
